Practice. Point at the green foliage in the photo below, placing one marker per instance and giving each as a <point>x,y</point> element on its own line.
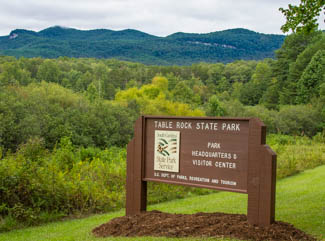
<point>60,182</point>
<point>303,18</point>
<point>11,74</point>
<point>49,71</point>
<point>292,59</point>
<point>214,107</point>
<point>295,154</point>
<point>61,113</point>
<point>262,75</point>
<point>298,120</point>
<point>33,149</point>
<point>303,59</point>
<point>269,117</point>
<point>250,94</point>
<point>152,99</point>
<point>233,108</point>
<point>161,83</point>
<point>240,71</point>
<point>38,186</point>
<point>293,120</point>
<point>270,98</point>
<point>76,181</point>
<point>311,79</point>
<point>299,202</point>
<point>223,85</point>
<point>183,93</point>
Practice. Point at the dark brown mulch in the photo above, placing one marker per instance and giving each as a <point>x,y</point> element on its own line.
<point>161,224</point>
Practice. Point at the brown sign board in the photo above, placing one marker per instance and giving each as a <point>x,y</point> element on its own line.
<point>226,154</point>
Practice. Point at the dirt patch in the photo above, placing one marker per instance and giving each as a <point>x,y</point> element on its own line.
<point>161,224</point>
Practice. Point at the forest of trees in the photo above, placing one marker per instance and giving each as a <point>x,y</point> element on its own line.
<point>65,122</point>
<point>95,102</point>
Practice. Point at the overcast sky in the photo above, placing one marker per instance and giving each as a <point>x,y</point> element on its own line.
<point>158,17</point>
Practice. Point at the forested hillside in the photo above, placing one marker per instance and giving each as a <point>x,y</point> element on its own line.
<point>65,122</point>
<point>290,88</point>
<point>132,45</point>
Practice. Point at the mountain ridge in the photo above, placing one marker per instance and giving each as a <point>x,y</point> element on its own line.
<point>133,45</point>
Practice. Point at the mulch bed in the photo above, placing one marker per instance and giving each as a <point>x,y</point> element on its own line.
<point>159,224</point>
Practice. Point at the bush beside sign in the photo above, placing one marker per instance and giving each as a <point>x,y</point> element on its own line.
<point>226,154</point>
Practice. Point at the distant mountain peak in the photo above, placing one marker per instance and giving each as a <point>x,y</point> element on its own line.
<point>56,31</point>
<point>239,30</point>
<point>60,26</point>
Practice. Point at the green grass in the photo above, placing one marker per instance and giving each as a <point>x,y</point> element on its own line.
<point>300,201</point>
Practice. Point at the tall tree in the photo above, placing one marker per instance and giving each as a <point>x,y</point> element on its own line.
<point>287,55</point>
<point>312,77</point>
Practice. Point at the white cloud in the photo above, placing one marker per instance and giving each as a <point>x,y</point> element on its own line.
<point>159,17</point>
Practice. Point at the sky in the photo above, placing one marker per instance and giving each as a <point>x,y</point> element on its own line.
<point>157,17</point>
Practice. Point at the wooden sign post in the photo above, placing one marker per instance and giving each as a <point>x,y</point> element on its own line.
<point>227,154</point>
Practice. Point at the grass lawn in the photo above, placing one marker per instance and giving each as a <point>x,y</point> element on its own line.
<point>300,201</point>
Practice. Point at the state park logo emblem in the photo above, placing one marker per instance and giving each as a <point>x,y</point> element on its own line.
<point>166,151</point>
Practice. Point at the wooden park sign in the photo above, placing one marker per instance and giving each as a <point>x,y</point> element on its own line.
<point>226,154</point>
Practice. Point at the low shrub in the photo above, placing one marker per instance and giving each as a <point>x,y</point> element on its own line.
<point>302,120</point>
<point>38,186</point>
<point>295,153</point>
